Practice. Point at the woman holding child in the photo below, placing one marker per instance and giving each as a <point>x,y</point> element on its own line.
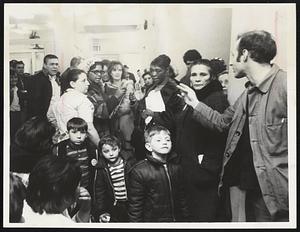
<point>202,149</point>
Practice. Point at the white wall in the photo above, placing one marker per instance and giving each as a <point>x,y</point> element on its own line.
<point>179,28</point>
<point>272,18</point>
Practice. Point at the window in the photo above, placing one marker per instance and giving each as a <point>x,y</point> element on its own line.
<point>96,45</point>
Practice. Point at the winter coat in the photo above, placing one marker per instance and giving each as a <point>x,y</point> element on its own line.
<point>156,192</point>
<point>202,154</point>
<point>39,94</point>
<point>97,96</point>
<point>268,136</point>
<point>104,193</point>
<point>173,104</point>
<point>193,139</point>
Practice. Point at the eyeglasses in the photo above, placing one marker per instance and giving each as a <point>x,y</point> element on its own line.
<point>97,72</point>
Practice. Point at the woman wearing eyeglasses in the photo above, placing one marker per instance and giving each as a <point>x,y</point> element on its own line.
<point>96,94</point>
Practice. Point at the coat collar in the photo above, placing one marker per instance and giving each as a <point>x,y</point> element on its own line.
<point>265,85</point>
<point>171,156</point>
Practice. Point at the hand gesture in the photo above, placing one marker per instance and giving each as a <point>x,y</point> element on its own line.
<point>84,201</point>
<point>132,97</point>
<point>188,95</point>
<point>147,113</point>
<point>105,217</point>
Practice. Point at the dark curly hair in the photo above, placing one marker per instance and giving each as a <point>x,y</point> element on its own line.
<point>260,44</point>
<point>191,55</point>
<point>218,65</point>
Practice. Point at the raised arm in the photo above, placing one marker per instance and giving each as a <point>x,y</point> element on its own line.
<point>204,114</point>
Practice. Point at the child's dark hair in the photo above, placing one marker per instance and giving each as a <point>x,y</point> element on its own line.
<point>77,124</point>
<point>152,130</point>
<point>52,184</point>
<point>17,193</point>
<point>110,140</point>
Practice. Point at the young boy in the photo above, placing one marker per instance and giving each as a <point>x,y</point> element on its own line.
<point>155,183</point>
<point>111,181</point>
<point>81,149</point>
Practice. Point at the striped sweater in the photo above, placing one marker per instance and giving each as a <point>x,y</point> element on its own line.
<point>118,181</point>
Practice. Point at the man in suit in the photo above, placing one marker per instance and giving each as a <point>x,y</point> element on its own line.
<point>44,89</point>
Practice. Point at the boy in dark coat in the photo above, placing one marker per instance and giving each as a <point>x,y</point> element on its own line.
<point>155,184</point>
<point>111,181</point>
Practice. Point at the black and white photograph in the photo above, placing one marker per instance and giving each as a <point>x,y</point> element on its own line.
<point>149,115</point>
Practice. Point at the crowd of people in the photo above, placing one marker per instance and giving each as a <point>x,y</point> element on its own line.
<point>101,145</point>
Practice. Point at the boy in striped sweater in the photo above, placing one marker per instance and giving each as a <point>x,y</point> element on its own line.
<point>83,151</point>
<point>111,181</point>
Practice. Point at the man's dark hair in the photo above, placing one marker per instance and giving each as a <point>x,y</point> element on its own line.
<point>106,62</point>
<point>218,65</point>
<point>12,64</point>
<point>48,57</point>
<point>191,55</point>
<point>20,62</point>
<point>77,124</point>
<point>17,193</point>
<point>52,184</point>
<point>260,44</point>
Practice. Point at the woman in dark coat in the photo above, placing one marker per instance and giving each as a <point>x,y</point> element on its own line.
<point>201,149</point>
<point>163,92</point>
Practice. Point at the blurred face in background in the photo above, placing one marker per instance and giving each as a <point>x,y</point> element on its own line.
<point>200,76</point>
<point>223,78</point>
<point>104,73</point>
<point>148,80</point>
<point>116,72</point>
<point>13,79</point>
<point>20,69</point>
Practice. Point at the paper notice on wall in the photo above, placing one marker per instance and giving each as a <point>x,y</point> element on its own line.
<point>155,102</point>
